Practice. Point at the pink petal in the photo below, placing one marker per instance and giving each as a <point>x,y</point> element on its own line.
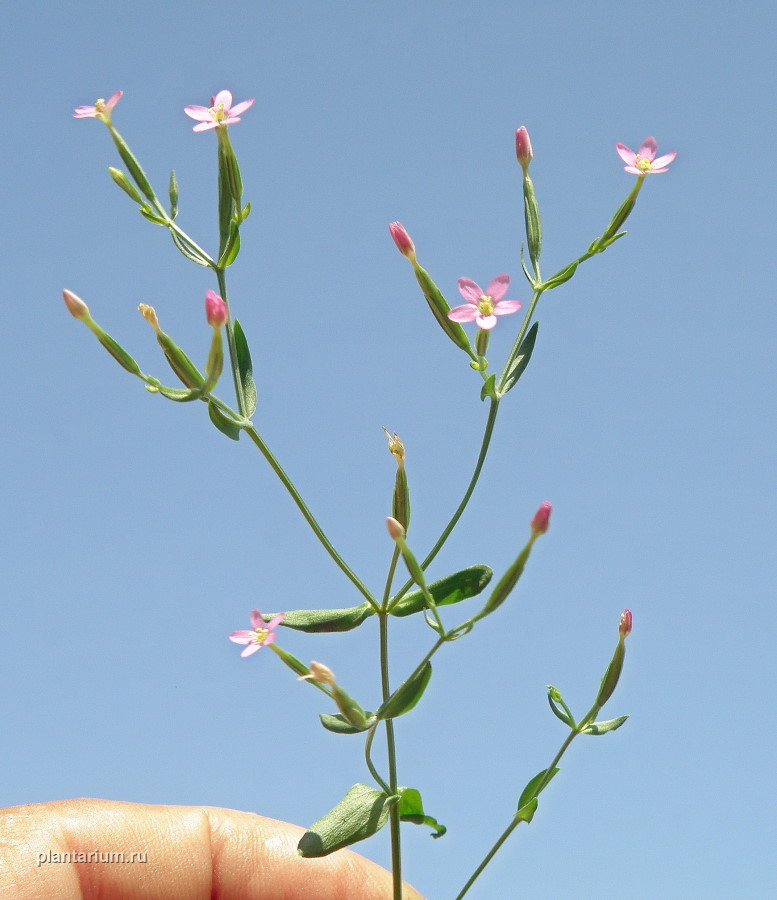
<point>664,160</point>
<point>466,313</point>
<point>251,648</point>
<point>630,169</point>
<point>256,619</point>
<point>201,113</point>
<point>205,126</point>
<point>224,97</point>
<point>498,287</point>
<point>84,112</point>
<point>648,148</point>
<point>628,156</point>
<point>276,621</point>
<point>242,637</point>
<point>486,322</point>
<point>113,99</point>
<point>470,290</point>
<point>270,639</point>
<point>505,307</point>
<point>241,107</point>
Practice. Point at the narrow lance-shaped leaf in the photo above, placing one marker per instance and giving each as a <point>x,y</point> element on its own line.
<point>407,694</point>
<point>225,426</point>
<point>324,621</point>
<point>451,589</point>
<point>340,725</point>
<point>360,814</point>
<point>124,183</point>
<point>516,366</point>
<point>172,192</point>
<point>246,369</point>
<point>527,804</point>
<point>604,727</point>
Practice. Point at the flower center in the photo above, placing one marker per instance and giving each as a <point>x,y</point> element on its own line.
<point>642,163</point>
<point>99,105</point>
<point>260,635</point>
<point>486,305</point>
<point>218,112</point>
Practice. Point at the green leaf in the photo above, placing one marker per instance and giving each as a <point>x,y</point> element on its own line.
<point>124,183</point>
<point>517,365</point>
<point>225,426</point>
<point>187,251</point>
<point>178,394</point>
<point>489,388</point>
<point>147,213</point>
<point>604,727</point>
<point>561,276</point>
<point>411,810</point>
<point>232,247</point>
<point>527,804</point>
<point>560,711</point>
<point>406,695</point>
<point>246,369</point>
<point>360,814</point>
<point>451,589</point>
<point>340,725</point>
<point>323,621</point>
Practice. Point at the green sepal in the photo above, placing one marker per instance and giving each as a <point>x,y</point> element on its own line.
<point>245,212</point>
<point>149,214</point>
<point>505,585</point>
<point>604,727</point>
<point>179,362</point>
<point>225,426</point>
<point>451,589</point>
<point>340,725</point>
<point>406,695</point>
<point>602,243</point>
<point>245,369</point>
<point>489,388</point>
<point>172,192</point>
<point>612,675</point>
<point>561,276</point>
<point>135,169</point>
<point>117,351</point>
<point>180,395</point>
<point>527,804</point>
<point>225,203</point>
<point>187,251</point>
<point>517,365</point>
<point>532,219</point>
<point>439,306</point>
<point>411,810</point>
<point>360,814</point>
<point>529,277</point>
<point>400,498</point>
<point>124,183</point>
<point>325,621</point>
<point>351,711</point>
<point>560,709</point>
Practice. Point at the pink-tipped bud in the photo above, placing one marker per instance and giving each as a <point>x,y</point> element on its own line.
<point>395,529</point>
<point>625,626</point>
<point>75,305</point>
<point>215,309</point>
<point>523,147</point>
<point>320,673</point>
<point>541,521</point>
<point>402,239</point>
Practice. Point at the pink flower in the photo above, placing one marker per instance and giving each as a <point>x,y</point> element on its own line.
<point>483,307</point>
<point>262,633</point>
<point>100,110</point>
<point>219,113</point>
<point>215,309</point>
<point>644,162</point>
<point>523,147</point>
<point>402,239</point>
<point>541,521</point>
<point>625,626</point>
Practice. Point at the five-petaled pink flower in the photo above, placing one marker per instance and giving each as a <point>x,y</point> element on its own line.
<point>483,307</point>
<point>644,161</point>
<point>262,633</point>
<point>219,113</point>
<point>100,110</point>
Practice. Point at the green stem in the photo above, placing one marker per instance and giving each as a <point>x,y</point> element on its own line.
<point>516,821</point>
<point>237,380</point>
<point>309,517</point>
<point>368,759</point>
<point>493,409</point>
<point>391,752</point>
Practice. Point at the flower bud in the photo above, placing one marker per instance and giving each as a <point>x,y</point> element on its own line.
<point>75,305</point>
<point>395,529</point>
<point>541,521</point>
<point>215,309</point>
<point>319,672</point>
<point>402,240</point>
<point>624,628</point>
<point>523,147</point>
<point>149,314</point>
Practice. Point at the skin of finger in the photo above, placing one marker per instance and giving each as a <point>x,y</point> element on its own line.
<point>201,853</point>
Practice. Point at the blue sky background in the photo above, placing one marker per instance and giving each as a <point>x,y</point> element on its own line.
<point>137,537</point>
